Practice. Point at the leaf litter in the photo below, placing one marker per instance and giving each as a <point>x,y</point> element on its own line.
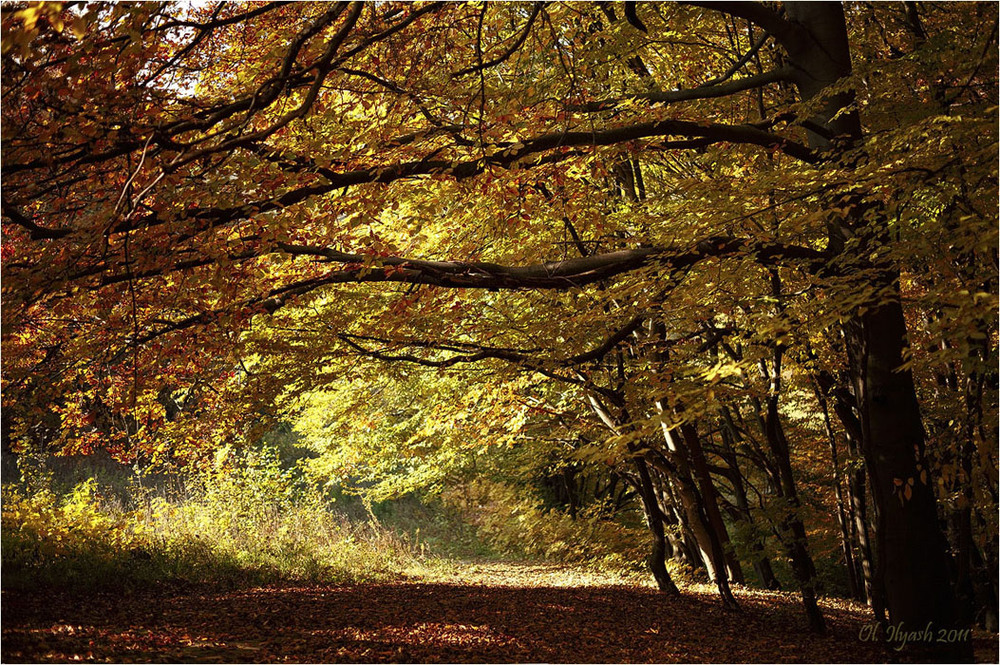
<point>493,612</point>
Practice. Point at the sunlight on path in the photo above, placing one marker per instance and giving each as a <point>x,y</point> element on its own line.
<point>525,574</point>
<point>459,611</point>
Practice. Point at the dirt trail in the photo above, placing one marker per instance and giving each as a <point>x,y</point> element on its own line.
<point>488,613</point>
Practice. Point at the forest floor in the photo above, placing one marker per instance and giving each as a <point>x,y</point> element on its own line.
<point>471,612</point>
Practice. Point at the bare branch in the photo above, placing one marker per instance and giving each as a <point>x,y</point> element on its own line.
<point>536,8</point>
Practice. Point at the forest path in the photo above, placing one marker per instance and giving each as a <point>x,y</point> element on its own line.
<point>491,612</point>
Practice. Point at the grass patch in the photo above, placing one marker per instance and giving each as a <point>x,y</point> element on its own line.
<point>258,521</point>
<point>512,524</point>
<point>247,526</point>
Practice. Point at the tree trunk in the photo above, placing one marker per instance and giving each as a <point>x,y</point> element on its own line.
<point>791,525</point>
<point>844,407</point>
<point>912,551</point>
<point>679,461</point>
<point>685,547</point>
<point>654,520</point>
<point>913,556</point>
<point>569,484</point>
<point>846,540</point>
<point>761,563</point>
<point>710,499</point>
<point>647,494</point>
<point>697,517</point>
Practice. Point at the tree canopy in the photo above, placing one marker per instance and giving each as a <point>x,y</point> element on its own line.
<point>647,233</point>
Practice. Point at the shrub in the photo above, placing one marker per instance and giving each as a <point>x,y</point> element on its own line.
<point>249,523</point>
<point>512,522</point>
<point>67,540</point>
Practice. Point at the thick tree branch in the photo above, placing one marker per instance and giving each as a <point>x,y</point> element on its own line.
<point>486,354</point>
<point>701,92</point>
<point>462,274</point>
<point>783,30</point>
<point>526,154</point>
<point>474,352</point>
<point>571,273</point>
<point>456,274</point>
<point>37,232</point>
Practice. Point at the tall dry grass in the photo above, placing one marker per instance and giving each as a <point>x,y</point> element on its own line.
<point>248,525</point>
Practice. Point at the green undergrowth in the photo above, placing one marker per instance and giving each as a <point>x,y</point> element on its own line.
<point>512,524</point>
<point>247,526</point>
<point>255,521</point>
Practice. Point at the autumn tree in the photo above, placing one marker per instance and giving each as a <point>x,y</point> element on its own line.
<point>210,209</point>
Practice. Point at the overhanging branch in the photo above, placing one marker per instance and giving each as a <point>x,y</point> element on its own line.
<point>571,273</point>
<point>702,92</point>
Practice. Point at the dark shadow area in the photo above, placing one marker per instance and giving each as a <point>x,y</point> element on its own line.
<point>416,622</point>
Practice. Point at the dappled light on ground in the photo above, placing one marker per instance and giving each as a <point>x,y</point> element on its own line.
<point>530,574</point>
<point>500,613</point>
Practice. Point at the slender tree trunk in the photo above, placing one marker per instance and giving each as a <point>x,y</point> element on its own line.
<point>847,542</point>
<point>693,516</point>
<point>672,527</point>
<point>858,496</point>
<point>761,563</point>
<point>791,525</point>
<point>569,484</point>
<point>647,495</point>
<point>685,544</point>
<point>708,540</point>
<point>844,407</point>
<point>681,458</point>
<point>710,499</point>
<point>793,529</point>
<point>654,520</point>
